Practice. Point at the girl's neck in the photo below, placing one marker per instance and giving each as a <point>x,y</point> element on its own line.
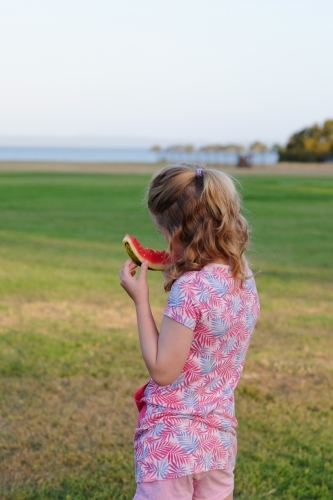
<point>219,263</point>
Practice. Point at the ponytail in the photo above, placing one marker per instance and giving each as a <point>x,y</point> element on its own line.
<point>220,195</point>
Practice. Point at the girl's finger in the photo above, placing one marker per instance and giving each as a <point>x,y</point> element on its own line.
<point>133,265</point>
<point>127,267</point>
<point>143,271</point>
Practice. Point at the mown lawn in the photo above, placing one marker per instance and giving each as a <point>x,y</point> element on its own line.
<point>69,355</point>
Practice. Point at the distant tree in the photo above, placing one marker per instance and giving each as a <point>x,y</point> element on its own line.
<point>175,151</point>
<point>258,147</point>
<point>237,148</point>
<point>213,150</point>
<point>210,148</point>
<point>175,147</point>
<point>156,148</point>
<point>189,148</point>
<point>180,150</point>
<point>312,144</point>
<point>219,147</point>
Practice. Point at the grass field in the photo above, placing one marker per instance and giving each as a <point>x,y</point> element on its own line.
<point>69,354</point>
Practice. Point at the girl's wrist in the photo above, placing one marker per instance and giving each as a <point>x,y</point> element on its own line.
<point>142,303</point>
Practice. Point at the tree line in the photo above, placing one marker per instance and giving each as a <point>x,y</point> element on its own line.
<point>311,144</point>
<point>255,147</point>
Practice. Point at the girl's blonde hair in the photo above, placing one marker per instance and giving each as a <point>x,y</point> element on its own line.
<point>201,213</point>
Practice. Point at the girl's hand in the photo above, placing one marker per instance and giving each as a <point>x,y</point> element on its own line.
<point>137,288</point>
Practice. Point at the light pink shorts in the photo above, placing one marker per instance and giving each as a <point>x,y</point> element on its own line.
<point>210,485</point>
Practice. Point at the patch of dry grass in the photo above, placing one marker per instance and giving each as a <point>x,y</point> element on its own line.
<point>47,316</point>
<point>66,423</point>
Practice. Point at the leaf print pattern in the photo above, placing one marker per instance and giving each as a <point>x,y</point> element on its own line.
<point>188,442</point>
<point>189,425</point>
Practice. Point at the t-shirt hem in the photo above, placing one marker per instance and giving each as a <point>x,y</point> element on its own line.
<point>171,316</point>
<point>226,467</point>
<point>190,473</point>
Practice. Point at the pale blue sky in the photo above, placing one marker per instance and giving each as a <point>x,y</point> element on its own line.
<point>180,70</point>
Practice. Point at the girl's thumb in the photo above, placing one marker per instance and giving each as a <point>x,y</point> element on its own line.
<point>144,267</point>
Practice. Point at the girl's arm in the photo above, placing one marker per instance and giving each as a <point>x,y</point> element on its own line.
<point>164,353</point>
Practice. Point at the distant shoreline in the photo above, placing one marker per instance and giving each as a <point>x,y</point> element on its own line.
<point>150,168</point>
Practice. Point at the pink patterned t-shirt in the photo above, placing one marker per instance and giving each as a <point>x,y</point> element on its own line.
<point>188,426</point>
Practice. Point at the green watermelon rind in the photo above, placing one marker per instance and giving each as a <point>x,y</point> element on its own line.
<point>158,260</point>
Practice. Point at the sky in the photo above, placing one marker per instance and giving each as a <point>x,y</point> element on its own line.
<point>138,72</point>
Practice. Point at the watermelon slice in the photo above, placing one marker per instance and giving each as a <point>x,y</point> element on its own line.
<point>158,260</point>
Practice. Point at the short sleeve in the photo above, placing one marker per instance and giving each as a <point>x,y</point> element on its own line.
<point>181,305</point>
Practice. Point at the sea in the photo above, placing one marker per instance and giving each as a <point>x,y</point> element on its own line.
<point>127,155</point>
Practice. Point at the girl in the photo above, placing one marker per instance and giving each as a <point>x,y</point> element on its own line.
<point>185,442</point>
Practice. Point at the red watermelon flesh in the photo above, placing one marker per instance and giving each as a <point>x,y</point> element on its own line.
<point>158,260</point>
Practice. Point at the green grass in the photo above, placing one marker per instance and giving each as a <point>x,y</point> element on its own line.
<point>69,354</point>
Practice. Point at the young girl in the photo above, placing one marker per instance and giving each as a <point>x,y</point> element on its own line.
<point>185,442</point>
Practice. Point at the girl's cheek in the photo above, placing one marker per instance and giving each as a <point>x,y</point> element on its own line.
<point>177,252</point>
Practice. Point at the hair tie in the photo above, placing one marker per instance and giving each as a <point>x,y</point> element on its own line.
<point>199,172</point>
